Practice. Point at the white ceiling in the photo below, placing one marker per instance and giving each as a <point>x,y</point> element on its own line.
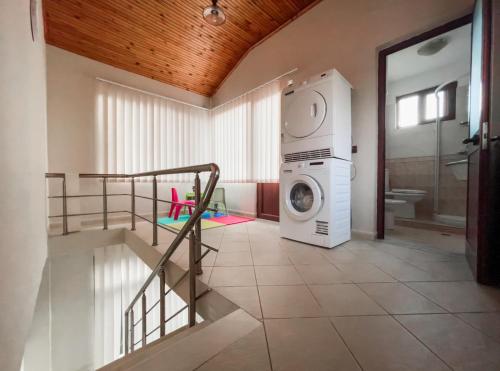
<point>407,62</point>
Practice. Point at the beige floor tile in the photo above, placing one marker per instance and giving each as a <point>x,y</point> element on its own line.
<point>336,255</point>
<point>361,273</point>
<point>232,276</point>
<point>322,274</point>
<point>458,344</point>
<point>487,323</point>
<point>264,238</point>
<point>245,297</point>
<point>372,256</point>
<point>234,246</point>
<point>412,255</point>
<point>460,297</point>
<point>277,275</point>
<point>272,257</point>
<point>448,243</point>
<point>288,302</point>
<point>307,344</point>
<point>235,237</point>
<point>380,343</point>
<point>205,276</point>
<point>233,259</point>
<point>397,298</point>
<point>268,246</point>
<point>307,256</point>
<point>403,271</point>
<point>446,271</point>
<point>247,354</point>
<point>345,300</point>
<point>209,259</point>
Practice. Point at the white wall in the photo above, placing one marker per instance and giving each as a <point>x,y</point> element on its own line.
<point>71,137</point>
<point>70,106</point>
<point>23,162</point>
<point>345,35</point>
<point>62,332</point>
<point>420,140</point>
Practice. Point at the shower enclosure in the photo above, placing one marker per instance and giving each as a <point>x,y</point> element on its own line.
<point>450,161</point>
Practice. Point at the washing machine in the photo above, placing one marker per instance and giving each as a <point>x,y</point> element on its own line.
<point>315,205</point>
<point>316,118</point>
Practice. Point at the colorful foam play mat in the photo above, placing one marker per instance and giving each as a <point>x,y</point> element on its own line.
<point>208,221</point>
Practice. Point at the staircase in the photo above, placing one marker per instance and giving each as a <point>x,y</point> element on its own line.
<point>222,322</point>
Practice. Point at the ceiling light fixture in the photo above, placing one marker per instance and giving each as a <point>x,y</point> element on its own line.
<point>433,47</point>
<point>214,14</point>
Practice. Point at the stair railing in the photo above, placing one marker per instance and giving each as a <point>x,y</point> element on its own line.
<point>191,230</point>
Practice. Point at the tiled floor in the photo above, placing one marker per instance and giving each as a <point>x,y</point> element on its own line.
<point>360,306</point>
<point>450,242</point>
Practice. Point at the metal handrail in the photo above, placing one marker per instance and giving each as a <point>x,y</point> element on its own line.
<point>192,226</point>
<point>198,211</point>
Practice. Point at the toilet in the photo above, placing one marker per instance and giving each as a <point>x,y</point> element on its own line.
<point>391,205</point>
<point>410,197</point>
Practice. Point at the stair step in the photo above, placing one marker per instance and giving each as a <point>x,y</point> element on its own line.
<point>191,350</point>
<point>142,353</point>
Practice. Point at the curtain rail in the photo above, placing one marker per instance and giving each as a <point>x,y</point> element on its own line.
<point>151,93</point>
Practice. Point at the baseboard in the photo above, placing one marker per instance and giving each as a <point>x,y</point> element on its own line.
<point>364,235</point>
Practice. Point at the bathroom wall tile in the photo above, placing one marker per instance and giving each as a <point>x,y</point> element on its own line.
<point>418,173</point>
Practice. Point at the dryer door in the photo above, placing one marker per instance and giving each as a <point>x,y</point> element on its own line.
<point>305,112</point>
<point>303,197</point>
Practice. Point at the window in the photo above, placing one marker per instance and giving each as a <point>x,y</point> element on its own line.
<point>247,136</point>
<point>138,132</point>
<point>421,107</point>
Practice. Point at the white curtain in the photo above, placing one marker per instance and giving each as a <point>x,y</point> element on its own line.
<point>247,136</point>
<point>138,132</point>
<point>118,276</point>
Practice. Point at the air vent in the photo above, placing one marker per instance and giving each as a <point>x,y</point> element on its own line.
<point>321,227</point>
<point>308,155</point>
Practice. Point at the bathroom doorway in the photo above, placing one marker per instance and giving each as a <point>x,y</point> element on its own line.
<point>424,108</point>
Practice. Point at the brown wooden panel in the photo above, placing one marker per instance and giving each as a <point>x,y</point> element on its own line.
<point>167,40</point>
<point>268,201</point>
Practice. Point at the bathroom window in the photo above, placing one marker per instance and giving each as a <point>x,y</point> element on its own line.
<point>421,107</point>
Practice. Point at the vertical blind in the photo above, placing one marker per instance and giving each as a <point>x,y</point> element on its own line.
<point>118,276</point>
<point>247,136</point>
<point>138,132</point>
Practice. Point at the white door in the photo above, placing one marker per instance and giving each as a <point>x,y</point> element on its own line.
<point>303,197</point>
<point>305,112</point>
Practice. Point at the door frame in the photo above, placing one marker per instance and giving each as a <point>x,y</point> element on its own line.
<point>481,257</point>
<point>382,90</point>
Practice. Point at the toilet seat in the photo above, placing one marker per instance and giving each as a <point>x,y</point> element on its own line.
<point>408,191</point>
<point>392,201</point>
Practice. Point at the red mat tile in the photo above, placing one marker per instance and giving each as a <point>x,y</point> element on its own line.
<point>231,219</point>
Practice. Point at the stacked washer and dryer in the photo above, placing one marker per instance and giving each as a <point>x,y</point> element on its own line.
<point>316,146</point>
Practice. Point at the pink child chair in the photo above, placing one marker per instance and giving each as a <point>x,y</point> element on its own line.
<point>177,205</point>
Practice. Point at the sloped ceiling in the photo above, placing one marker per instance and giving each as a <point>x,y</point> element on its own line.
<point>167,40</point>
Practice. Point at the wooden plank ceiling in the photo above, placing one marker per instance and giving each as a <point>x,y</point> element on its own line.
<point>166,40</point>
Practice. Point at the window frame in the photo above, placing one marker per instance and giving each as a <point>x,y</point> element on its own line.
<point>450,103</point>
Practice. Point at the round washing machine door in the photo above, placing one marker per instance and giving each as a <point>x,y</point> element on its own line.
<point>305,112</point>
<point>303,198</point>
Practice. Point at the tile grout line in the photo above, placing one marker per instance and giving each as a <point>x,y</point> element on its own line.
<point>456,315</point>
<point>420,341</point>
<point>424,296</point>
<point>345,343</point>
<point>261,310</point>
